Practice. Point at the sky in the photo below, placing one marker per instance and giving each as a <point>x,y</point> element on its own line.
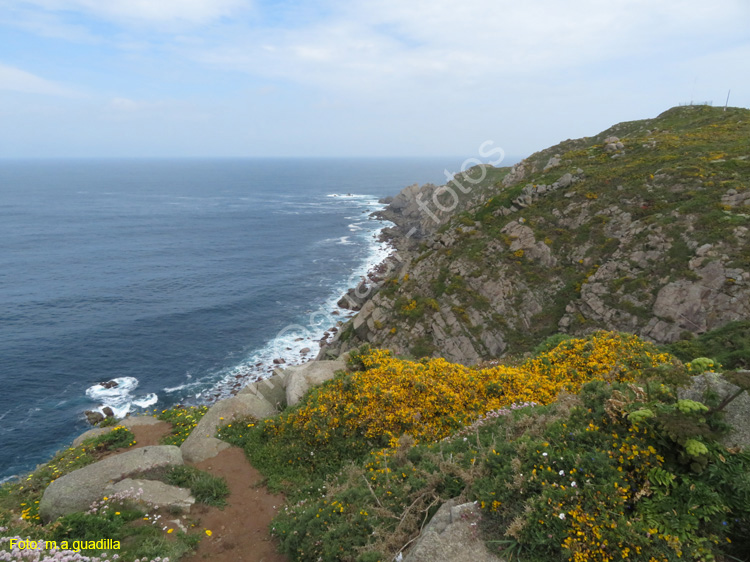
<point>341,78</point>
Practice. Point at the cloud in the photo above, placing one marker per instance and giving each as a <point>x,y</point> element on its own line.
<point>124,104</point>
<point>16,80</point>
<point>366,45</point>
<point>156,11</point>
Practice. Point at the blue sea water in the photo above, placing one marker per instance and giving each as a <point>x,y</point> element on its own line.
<point>176,278</point>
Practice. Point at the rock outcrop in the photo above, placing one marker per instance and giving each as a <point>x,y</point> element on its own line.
<point>302,378</point>
<point>155,492</point>
<point>737,412</point>
<point>654,243</point>
<point>452,535</point>
<point>77,490</point>
<point>129,422</point>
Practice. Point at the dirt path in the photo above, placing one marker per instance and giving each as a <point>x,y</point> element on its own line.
<point>239,532</point>
<point>146,435</point>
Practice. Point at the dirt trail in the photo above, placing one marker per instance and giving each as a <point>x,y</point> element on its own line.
<point>146,435</point>
<point>239,532</point>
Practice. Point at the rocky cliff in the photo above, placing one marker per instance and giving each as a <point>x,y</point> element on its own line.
<point>642,228</point>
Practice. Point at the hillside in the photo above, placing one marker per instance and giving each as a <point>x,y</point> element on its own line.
<point>641,228</point>
<point>545,447</point>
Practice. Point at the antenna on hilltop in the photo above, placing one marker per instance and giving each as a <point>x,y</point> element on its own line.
<point>727,103</point>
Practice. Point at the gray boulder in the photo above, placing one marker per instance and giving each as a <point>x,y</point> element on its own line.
<point>93,417</point>
<point>273,389</point>
<point>129,422</point>
<point>91,433</point>
<point>452,536</point>
<point>737,412</point>
<point>77,490</point>
<point>134,421</point>
<point>201,443</point>
<point>157,493</point>
<point>565,180</point>
<point>300,378</point>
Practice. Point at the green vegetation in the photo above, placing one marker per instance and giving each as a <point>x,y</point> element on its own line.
<point>729,346</point>
<point>205,488</point>
<point>128,518</point>
<point>643,211</point>
<point>183,420</point>
<point>622,470</point>
<point>22,497</point>
<point>137,525</point>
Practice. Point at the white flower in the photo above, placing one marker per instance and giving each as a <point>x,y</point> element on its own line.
<point>544,454</point>
<point>561,473</point>
<point>573,484</point>
<point>561,516</point>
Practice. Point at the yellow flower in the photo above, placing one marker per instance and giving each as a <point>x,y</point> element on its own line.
<point>208,532</point>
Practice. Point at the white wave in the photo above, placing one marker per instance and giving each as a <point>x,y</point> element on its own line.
<point>348,195</point>
<point>119,397</point>
<point>122,386</point>
<point>145,402</point>
<point>170,390</point>
<point>289,344</point>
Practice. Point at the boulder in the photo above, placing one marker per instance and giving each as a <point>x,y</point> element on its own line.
<point>272,389</point>
<point>565,181</point>
<point>77,490</point>
<point>201,443</point>
<point>452,535</point>
<point>157,493</point>
<point>135,421</point>
<point>91,433</point>
<point>552,162</point>
<point>93,417</point>
<point>301,378</point>
<point>736,413</point>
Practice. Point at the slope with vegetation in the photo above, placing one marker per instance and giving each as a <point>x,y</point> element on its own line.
<point>607,462</point>
<point>593,445</point>
<point>642,228</point>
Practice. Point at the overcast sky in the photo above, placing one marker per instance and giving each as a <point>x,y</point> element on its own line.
<point>124,78</point>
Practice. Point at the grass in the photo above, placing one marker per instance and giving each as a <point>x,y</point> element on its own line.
<point>22,497</point>
<point>205,487</point>
<point>183,419</point>
<point>139,527</point>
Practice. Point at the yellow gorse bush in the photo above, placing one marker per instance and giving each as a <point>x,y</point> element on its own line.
<point>432,398</point>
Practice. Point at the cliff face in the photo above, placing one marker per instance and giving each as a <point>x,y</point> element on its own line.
<point>642,228</point>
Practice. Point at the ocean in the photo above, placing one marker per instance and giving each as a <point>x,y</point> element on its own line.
<point>178,279</point>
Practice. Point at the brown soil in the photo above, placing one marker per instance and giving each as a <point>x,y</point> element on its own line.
<point>239,531</point>
<point>146,435</point>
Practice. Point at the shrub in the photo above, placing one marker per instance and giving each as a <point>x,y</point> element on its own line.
<point>611,483</point>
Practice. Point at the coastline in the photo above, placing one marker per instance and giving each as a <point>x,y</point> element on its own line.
<point>299,343</point>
